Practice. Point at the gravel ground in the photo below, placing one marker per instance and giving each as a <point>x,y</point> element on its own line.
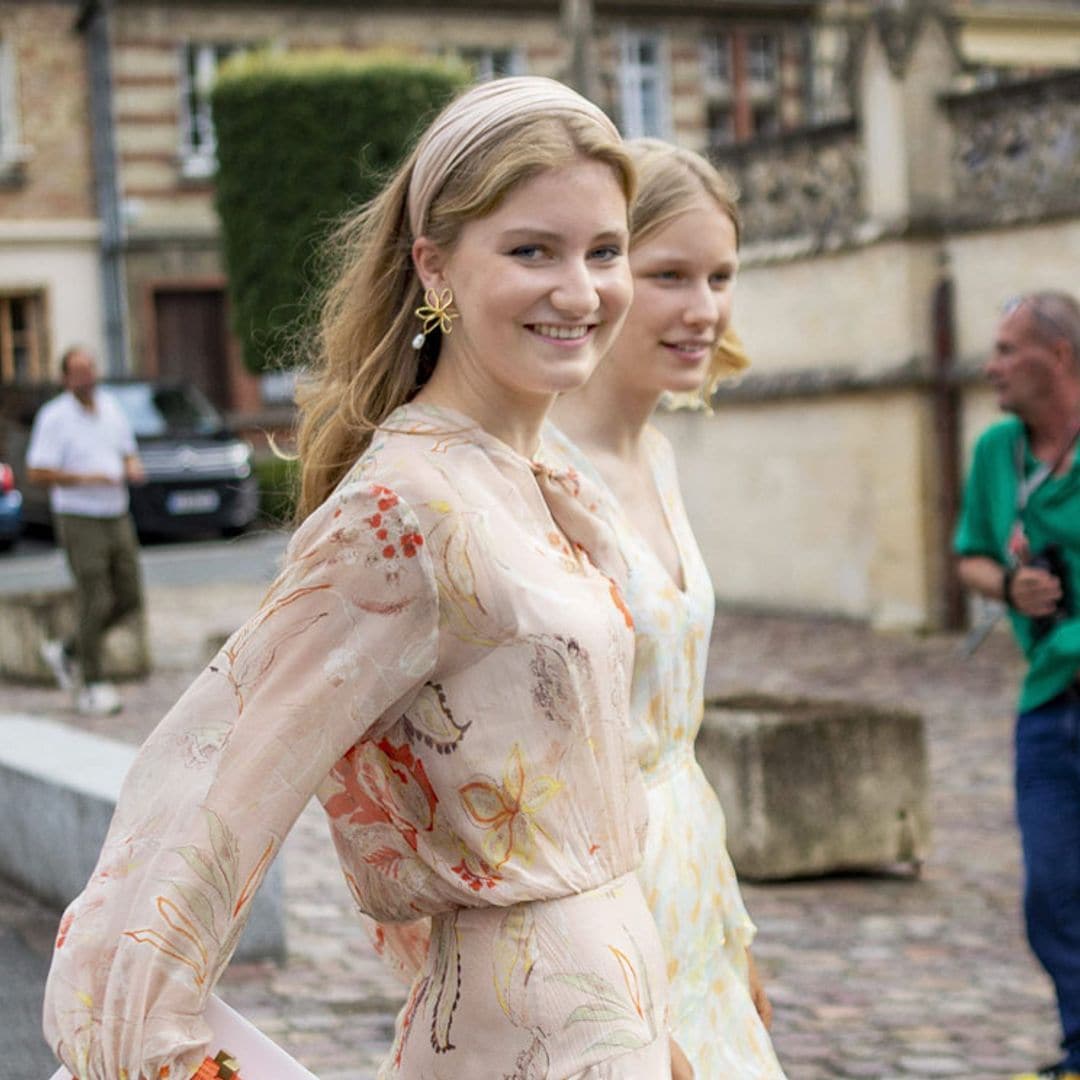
<point>880,976</point>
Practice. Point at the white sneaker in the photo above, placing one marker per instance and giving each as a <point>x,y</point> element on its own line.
<point>99,699</point>
<point>65,669</point>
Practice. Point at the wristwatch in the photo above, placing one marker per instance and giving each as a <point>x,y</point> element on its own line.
<point>1006,586</point>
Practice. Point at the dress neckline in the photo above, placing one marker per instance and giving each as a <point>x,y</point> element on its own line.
<point>597,478</point>
<point>558,487</point>
<point>454,420</point>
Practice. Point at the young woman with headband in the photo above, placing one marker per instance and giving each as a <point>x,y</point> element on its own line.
<point>444,660</point>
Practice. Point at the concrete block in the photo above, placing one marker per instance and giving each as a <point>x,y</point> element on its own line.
<point>29,618</point>
<point>812,787</point>
<point>58,791</point>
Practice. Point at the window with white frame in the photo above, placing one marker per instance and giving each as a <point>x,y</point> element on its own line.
<point>716,61</point>
<point>642,85</point>
<point>493,63</point>
<point>199,62</point>
<point>762,59</point>
<point>12,152</point>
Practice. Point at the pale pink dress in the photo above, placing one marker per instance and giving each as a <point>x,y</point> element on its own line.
<point>444,666</point>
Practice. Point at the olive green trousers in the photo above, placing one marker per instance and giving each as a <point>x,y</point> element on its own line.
<point>103,554</point>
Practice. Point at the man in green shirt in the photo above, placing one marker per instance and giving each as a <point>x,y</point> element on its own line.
<point>1018,542</point>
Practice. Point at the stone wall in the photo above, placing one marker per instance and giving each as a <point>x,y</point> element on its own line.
<point>1015,157</point>
<point>1016,151</point>
<point>822,482</point>
<point>803,183</point>
<point>812,505</point>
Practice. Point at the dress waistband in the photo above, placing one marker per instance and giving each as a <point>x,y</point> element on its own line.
<point>672,761</point>
<point>569,982</point>
<point>476,916</point>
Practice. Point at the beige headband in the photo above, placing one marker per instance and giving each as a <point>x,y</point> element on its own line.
<point>478,116</point>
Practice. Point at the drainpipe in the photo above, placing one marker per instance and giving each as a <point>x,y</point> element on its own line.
<point>945,396</point>
<point>94,23</point>
<point>577,26</point>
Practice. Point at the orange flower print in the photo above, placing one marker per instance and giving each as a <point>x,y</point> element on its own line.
<point>505,811</point>
<point>390,786</point>
<point>475,872</point>
<point>407,542</point>
<point>65,926</point>
<point>620,603</point>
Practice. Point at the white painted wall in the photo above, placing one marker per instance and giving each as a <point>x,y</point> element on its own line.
<point>62,259</point>
<point>814,505</point>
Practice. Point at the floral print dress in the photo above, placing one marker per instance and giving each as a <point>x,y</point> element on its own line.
<point>686,873</point>
<point>445,662</point>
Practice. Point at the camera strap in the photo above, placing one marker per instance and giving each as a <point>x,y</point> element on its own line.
<point>1026,486</point>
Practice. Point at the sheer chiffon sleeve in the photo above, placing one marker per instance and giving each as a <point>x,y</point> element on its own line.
<point>346,635</point>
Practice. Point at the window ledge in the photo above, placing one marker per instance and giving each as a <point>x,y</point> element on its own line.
<point>197,168</point>
<point>13,160</point>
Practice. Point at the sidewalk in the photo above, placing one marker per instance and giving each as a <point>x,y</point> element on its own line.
<point>879,977</point>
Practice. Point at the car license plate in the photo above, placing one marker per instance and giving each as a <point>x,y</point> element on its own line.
<point>192,502</point>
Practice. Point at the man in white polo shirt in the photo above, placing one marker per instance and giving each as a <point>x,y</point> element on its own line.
<point>83,448</point>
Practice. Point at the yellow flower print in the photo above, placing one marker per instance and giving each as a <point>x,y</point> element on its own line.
<point>505,811</point>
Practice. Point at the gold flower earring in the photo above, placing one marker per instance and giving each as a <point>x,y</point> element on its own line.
<point>435,311</point>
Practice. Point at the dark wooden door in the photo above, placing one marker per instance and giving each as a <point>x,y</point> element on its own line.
<point>193,340</point>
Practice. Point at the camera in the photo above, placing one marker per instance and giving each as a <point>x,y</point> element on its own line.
<point>1052,559</point>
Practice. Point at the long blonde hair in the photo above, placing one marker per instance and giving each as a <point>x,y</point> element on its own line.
<point>670,181</point>
<point>364,366</point>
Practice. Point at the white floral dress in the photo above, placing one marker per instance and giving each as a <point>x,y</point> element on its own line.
<point>443,664</point>
<point>686,873</point>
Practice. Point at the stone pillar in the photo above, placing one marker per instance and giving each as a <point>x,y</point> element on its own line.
<point>907,61</point>
<point>29,618</point>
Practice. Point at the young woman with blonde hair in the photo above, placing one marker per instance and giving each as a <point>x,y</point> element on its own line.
<point>444,660</point>
<point>684,239</point>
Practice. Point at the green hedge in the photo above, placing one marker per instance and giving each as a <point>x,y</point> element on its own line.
<point>279,485</point>
<point>302,138</point>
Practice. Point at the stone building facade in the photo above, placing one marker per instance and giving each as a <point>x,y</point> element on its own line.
<point>905,167</point>
<point>878,254</point>
<point>152,194</point>
<point>49,233</point>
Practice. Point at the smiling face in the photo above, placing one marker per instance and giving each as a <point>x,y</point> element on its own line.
<point>684,277</point>
<point>541,285</point>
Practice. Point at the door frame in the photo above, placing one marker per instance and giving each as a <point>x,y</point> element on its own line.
<point>194,284</point>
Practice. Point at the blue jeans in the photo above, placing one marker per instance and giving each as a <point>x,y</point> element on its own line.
<point>1048,812</point>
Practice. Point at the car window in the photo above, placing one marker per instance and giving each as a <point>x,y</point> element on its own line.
<point>165,410</point>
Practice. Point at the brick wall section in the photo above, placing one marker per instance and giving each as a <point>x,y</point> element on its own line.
<point>172,226</point>
<point>147,54</point>
<point>52,91</point>
<point>147,79</point>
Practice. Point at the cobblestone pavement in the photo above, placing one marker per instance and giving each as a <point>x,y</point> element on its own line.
<point>883,976</point>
